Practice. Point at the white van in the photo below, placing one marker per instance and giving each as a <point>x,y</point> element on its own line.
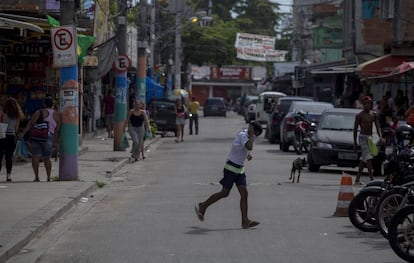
<point>264,104</point>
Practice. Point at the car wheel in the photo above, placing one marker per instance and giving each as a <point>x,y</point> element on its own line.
<point>311,165</point>
<point>284,146</point>
<point>271,138</point>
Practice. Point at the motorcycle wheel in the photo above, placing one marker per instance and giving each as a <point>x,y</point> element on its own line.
<point>388,205</point>
<point>306,146</point>
<point>401,233</point>
<point>298,142</point>
<point>361,211</point>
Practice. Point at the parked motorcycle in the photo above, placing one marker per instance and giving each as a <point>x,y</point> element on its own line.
<point>401,231</point>
<point>303,133</point>
<point>363,209</point>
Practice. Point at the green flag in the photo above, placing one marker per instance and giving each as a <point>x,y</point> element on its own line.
<point>52,22</point>
<point>84,42</point>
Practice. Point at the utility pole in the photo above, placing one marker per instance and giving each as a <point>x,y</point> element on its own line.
<point>69,103</point>
<point>142,53</point>
<point>121,88</point>
<point>151,63</point>
<point>178,46</point>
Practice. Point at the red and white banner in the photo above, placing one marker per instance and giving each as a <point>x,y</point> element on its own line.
<point>258,48</point>
<point>230,73</point>
<point>244,40</point>
<point>256,54</point>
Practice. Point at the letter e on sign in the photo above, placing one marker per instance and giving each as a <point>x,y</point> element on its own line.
<point>122,63</point>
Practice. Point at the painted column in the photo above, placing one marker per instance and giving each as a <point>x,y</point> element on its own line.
<point>69,95</point>
<point>123,64</point>
<point>120,108</point>
<point>141,74</point>
<point>68,139</point>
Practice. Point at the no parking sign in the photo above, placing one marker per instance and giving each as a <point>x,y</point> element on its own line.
<point>64,46</point>
<point>122,63</point>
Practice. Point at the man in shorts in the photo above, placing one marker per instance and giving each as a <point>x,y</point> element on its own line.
<point>364,120</point>
<point>108,111</point>
<point>233,173</point>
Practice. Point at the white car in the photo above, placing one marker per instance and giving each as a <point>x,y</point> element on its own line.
<point>264,105</point>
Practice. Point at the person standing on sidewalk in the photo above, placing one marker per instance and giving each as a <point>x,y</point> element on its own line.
<point>108,111</point>
<point>193,107</point>
<point>364,120</point>
<point>136,120</point>
<point>43,149</point>
<point>180,111</point>
<point>144,108</point>
<point>233,173</point>
<point>12,115</point>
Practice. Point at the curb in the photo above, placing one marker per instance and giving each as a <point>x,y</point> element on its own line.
<point>122,163</point>
<point>20,238</point>
<point>32,231</point>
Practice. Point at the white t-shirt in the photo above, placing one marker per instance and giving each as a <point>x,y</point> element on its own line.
<point>238,152</point>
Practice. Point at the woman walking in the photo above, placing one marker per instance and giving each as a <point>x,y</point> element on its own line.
<point>12,115</point>
<point>180,111</point>
<point>42,148</point>
<point>136,120</point>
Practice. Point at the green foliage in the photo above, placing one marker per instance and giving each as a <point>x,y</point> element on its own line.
<point>132,15</point>
<point>214,44</point>
<point>210,44</point>
<point>100,184</point>
<point>153,126</point>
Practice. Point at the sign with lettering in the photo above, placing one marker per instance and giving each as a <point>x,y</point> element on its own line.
<point>64,46</point>
<point>122,63</point>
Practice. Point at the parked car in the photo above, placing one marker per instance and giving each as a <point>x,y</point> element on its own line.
<point>214,106</point>
<point>250,111</point>
<point>278,113</point>
<point>264,104</point>
<point>333,141</point>
<point>312,111</point>
<point>163,113</point>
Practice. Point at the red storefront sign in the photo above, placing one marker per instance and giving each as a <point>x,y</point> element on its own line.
<point>231,73</point>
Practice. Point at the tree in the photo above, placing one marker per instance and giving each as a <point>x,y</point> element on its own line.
<point>214,44</point>
<point>257,16</point>
<point>210,44</point>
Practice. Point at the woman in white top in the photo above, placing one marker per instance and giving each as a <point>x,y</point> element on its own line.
<point>12,115</point>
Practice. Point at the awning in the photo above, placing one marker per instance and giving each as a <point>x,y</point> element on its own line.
<point>8,23</point>
<point>335,70</point>
<point>224,84</point>
<point>380,66</point>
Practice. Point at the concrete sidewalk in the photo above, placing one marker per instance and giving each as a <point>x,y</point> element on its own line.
<point>27,208</point>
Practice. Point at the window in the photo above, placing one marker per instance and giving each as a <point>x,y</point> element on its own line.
<point>387,9</point>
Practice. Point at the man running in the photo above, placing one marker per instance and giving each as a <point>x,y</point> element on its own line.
<point>233,172</point>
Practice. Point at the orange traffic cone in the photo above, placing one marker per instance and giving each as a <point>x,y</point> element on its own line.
<point>345,196</point>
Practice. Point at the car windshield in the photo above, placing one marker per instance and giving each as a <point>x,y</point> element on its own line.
<point>214,102</point>
<point>337,121</point>
<point>310,107</point>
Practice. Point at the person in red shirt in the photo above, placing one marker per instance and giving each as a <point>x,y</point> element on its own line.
<point>108,111</point>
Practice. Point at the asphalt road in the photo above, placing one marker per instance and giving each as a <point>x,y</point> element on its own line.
<point>146,214</point>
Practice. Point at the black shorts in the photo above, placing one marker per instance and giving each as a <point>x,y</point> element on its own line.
<point>230,177</point>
